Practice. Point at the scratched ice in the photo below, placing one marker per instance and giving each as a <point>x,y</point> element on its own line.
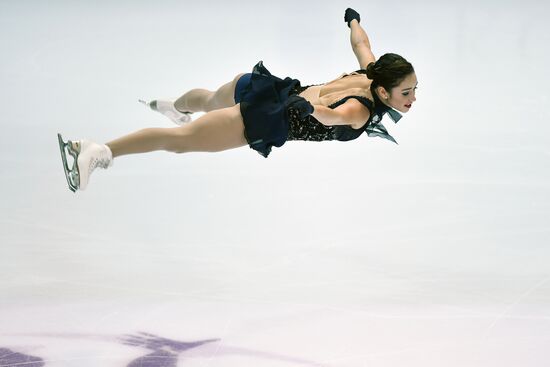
<point>10,358</point>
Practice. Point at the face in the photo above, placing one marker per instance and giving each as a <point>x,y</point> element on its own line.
<point>403,96</point>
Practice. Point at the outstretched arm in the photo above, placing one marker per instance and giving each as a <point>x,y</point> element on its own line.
<point>352,112</point>
<point>359,40</point>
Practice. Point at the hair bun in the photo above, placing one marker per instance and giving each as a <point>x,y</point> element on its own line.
<point>370,71</point>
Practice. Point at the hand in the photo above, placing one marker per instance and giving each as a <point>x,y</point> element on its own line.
<point>351,15</point>
<point>300,104</point>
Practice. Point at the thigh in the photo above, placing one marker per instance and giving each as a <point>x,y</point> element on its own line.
<point>225,95</point>
<point>215,131</point>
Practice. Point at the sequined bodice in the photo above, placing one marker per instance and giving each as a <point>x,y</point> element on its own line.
<point>311,129</point>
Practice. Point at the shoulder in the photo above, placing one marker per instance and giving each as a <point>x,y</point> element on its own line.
<point>355,110</point>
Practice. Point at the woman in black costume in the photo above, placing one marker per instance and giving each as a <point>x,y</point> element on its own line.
<point>262,111</point>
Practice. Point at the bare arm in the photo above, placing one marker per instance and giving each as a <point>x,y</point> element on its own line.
<point>352,113</point>
<point>360,44</point>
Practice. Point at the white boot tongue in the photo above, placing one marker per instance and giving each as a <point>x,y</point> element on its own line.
<point>108,156</point>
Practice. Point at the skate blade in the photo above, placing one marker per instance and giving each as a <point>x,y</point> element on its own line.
<point>71,174</point>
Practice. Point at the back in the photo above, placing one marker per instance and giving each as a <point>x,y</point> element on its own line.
<point>353,84</point>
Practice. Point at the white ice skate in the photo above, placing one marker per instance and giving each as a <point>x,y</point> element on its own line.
<point>167,109</point>
<point>87,156</point>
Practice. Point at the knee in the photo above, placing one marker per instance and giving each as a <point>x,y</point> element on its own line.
<point>212,102</point>
<point>178,141</point>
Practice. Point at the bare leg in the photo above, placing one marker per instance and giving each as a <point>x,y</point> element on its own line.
<point>197,100</point>
<point>215,131</point>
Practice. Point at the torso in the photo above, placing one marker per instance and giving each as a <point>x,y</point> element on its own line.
<point>352,88</point>
<point>353,84</point>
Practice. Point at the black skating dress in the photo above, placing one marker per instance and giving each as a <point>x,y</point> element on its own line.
<point>269,123</point>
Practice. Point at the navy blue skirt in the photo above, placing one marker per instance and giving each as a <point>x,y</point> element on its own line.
<point>263,107</point>
<point>243,81</point>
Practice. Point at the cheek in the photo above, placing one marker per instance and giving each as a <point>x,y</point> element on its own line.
<point>399,100</point>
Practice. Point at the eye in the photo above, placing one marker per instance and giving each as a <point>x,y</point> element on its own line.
<point>407,93</point>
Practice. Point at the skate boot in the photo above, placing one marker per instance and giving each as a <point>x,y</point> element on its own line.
<point>87,156</point>
<point>167,109</point>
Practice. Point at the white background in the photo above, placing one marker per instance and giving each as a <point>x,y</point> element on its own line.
<point>433,252</point>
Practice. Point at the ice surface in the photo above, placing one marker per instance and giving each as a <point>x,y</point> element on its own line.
<point>435,252</point>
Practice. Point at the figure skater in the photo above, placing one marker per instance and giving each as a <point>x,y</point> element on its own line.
<point>262,111</point>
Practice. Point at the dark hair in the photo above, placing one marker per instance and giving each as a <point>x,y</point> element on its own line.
<point>388,71</point>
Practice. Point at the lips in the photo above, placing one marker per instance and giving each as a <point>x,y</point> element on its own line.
<point>408,105</point>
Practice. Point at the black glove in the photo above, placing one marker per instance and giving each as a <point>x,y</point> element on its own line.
<point>351,15</point>
<point>300,105</point>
